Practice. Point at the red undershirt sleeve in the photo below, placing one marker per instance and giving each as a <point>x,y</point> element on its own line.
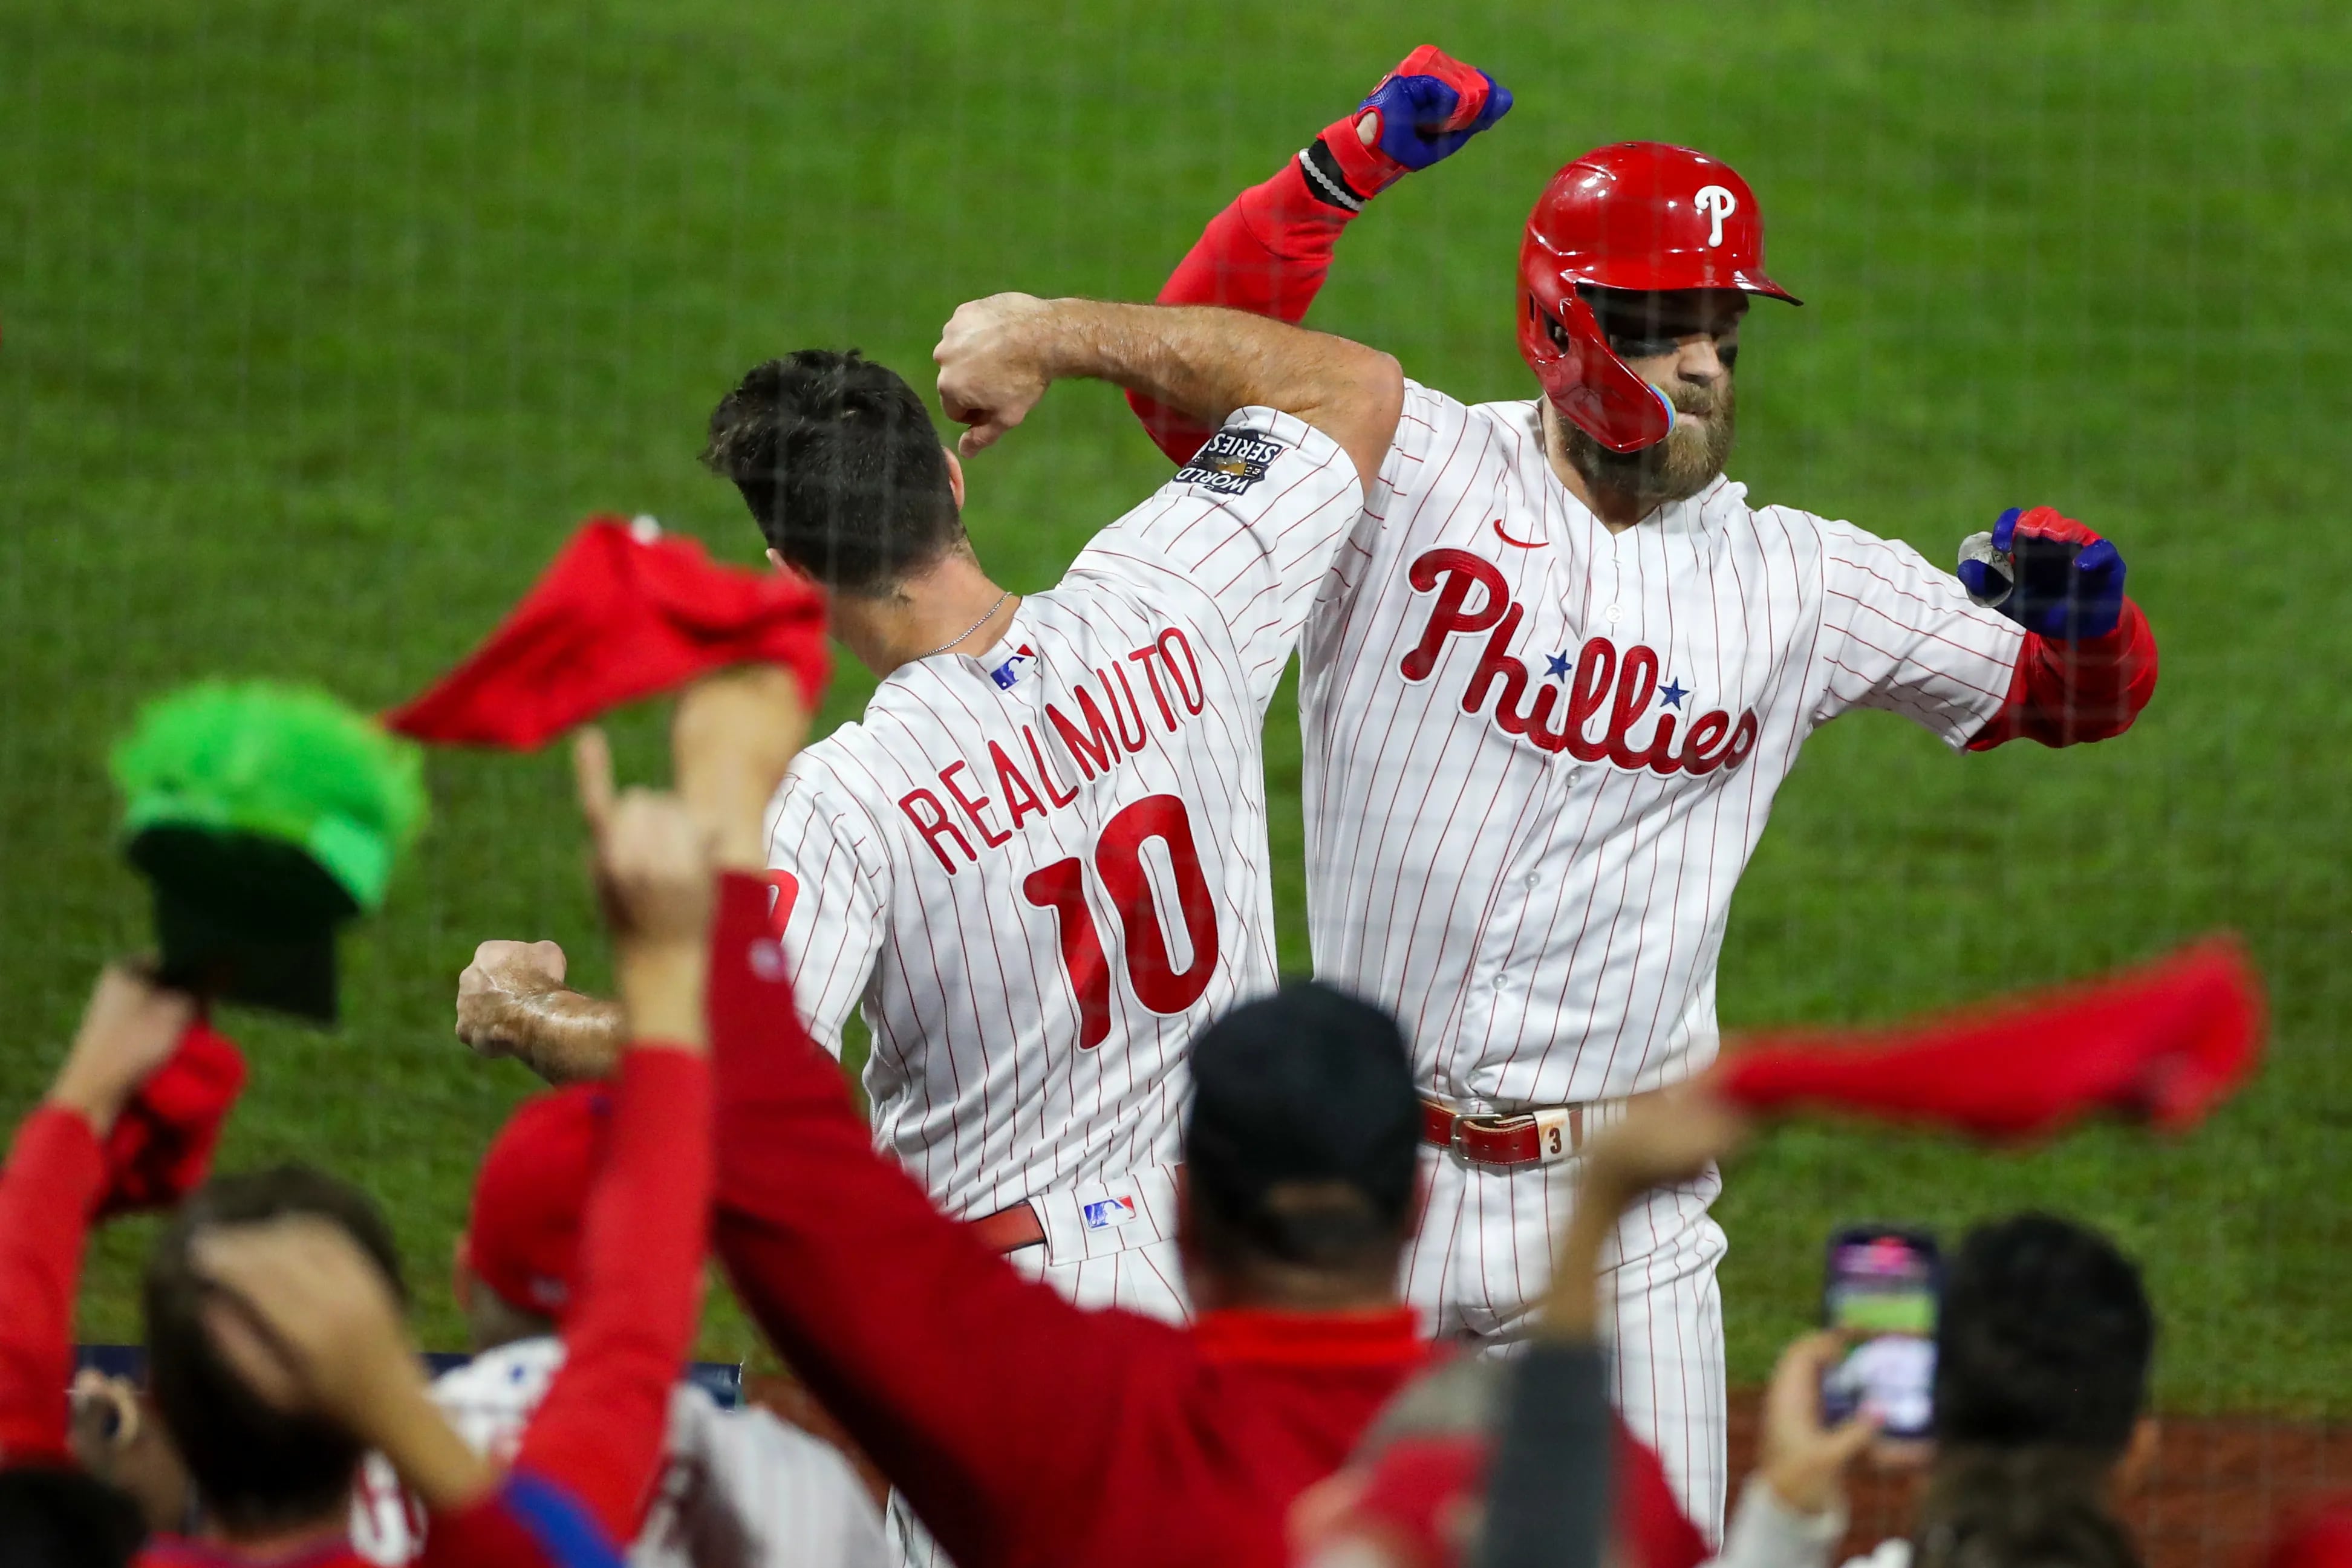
<point>55,1174</point>
<point>986,1397</point>
<point>599,1434</point>
<point>526,1522</point>
<point>1266,254</point>
<point>2063,694</point>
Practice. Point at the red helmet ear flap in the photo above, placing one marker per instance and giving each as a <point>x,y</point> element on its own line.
<point>1587,384</point>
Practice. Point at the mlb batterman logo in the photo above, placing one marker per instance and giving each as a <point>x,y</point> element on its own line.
<point>1108,1212</point>
<point>1231,462</point>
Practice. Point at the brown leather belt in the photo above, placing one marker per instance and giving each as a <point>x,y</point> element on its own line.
<point>1538,1137</point>
<point>1010,1229</point>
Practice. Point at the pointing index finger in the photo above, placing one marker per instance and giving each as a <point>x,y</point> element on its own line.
<point>592,770</point>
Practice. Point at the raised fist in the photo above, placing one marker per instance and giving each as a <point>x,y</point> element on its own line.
<point>1424,110</point>
<point>2048,573</point>
<point>991,372</point>
<point>489,990</point>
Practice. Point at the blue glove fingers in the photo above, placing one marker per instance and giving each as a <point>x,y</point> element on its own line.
<point>1414,109</point>
<point>1433,102</point>
<point>2005,530</point>
<point>1498,104</point>
<point>1977,577</point>
<point>2102,565</point>
<point>2101,569</point>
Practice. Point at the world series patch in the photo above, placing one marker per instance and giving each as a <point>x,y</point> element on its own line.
<point>1231,463</point>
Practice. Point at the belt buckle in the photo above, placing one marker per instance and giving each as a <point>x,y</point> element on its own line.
<point>1454,1131</point>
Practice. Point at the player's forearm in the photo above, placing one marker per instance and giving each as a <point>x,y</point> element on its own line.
<point>565,1036</point>
<point>1205,362</point>
<point>1202,360</point>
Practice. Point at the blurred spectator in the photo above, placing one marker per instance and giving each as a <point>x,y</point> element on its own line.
<point>52,1516</point>
<point>739,1489</point>
<point>2042,1351</point>
<point>276,1348</point>
<point>1512,1463</point>
<point>116,1439</point>
<point>270,1478</point>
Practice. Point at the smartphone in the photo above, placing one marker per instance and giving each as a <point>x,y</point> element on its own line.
<point>1885,1281</point>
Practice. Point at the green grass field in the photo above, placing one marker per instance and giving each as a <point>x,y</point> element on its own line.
<point>324,323</point>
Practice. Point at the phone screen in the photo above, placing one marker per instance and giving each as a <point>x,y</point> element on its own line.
<point>1885,1282</point>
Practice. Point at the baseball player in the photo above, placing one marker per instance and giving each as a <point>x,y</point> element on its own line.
<point>1560,672</point>
<point>1039,862</point>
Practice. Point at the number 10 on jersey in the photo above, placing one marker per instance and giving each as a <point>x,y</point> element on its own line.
<point>1152,973</point>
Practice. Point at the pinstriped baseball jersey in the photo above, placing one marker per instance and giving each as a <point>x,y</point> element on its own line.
<point>1041,870</point>
<point>1539,755</point>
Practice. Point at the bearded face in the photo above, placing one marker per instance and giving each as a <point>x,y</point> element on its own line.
<point>1683,343</point>
<point>1677,468</point>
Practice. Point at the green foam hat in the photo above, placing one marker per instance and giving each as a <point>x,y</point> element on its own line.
<point>265,816</point>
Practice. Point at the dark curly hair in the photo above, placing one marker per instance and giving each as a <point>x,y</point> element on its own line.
<point>837,460</point>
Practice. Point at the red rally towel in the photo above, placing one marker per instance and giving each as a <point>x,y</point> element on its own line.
<point>160,1147</point>
<point>2164,1043</point>
<point>625,612</point>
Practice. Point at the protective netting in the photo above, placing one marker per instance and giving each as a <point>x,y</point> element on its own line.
<point>323,323</point>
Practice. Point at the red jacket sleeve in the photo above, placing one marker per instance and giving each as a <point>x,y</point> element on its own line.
<point>527,1523</point>
<point>55,1174</point>
<point>2061,693</point>
<point>986,1397</point>
<point>600,1432</point>
<point>1266,254</point>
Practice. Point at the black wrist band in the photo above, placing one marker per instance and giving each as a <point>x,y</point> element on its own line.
<point>1325,181</point>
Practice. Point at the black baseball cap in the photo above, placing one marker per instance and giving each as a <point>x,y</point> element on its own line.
<point>1308,1089</point>
<point>244,918</point>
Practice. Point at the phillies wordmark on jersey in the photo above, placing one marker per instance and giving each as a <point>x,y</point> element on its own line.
<point>1540,753</point>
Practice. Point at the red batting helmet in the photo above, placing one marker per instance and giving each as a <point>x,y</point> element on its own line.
<point>1634,215</point>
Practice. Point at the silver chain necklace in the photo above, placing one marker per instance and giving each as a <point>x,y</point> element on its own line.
<point>972,627</point>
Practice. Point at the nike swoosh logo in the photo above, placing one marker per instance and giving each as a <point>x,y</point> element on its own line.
<point>1516,544</point>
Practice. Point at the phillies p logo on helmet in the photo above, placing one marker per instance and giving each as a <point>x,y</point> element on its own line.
<point>1718,203</point>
